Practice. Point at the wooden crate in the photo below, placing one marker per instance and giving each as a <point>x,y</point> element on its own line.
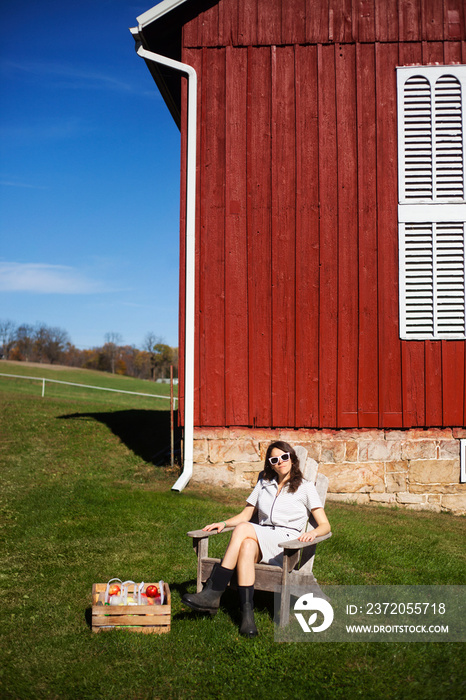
<point>150,619</point>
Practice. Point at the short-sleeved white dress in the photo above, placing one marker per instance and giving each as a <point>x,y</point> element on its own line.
<point>281,515</point>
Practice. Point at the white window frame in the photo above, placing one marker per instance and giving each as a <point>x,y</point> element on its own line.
<point>431,227</point>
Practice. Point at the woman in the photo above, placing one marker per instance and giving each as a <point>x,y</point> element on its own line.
<point>281,501</point>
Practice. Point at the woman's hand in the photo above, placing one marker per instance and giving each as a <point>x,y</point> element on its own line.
<point>323,526</point>
<point>307,536</point>
<point>243,517</point>
<point>215,526</point>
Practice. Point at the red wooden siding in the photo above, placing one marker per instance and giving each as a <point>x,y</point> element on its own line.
<point>236,249</point>
<point>275,22</point>
<point>390,380</point>
<point>258,182</point>
<point>283,267</point>
<point>307,235</point>
<point>212,238</point>
<point>368,387</point>
<point>348,303</point>
<point>328,239</point>
<point>297,239</point>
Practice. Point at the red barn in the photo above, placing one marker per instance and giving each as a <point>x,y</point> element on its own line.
<point>330,219</point>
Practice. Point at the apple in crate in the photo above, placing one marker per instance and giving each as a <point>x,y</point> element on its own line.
<point>152,591</point>
<point>146,601</point>
<point>114,589</point>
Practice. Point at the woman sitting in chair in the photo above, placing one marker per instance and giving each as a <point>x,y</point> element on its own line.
<point>281,501</point>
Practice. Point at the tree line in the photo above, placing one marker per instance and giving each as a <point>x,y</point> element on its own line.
<point>42,343</point>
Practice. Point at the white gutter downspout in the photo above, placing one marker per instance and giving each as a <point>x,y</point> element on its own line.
<point>190,261</point>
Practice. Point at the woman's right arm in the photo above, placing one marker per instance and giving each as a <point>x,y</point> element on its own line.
<point>243,517</point>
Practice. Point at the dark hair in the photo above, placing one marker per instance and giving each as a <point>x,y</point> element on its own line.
<point>296,476</point>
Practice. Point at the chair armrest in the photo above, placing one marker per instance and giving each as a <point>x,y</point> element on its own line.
<point>297,544</point>
<point>201,534</point>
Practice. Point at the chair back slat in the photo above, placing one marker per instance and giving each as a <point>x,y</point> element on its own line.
<point>322,487</point>
<point>309,468</point>
<point>307,465</point>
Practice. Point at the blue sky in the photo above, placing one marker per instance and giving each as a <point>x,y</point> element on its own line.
<point>89,175</point>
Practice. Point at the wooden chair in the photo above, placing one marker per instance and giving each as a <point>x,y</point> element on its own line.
<point>298,557</point>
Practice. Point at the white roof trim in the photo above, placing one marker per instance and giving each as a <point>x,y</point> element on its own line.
<point>158,11</point>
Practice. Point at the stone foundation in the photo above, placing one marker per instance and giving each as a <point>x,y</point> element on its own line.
<point>416,469</point>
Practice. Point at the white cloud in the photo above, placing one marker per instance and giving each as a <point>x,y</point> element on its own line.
<point>11,183</point>
<point>41,278</point>
<point>68,75</point>
<point>52,130</point>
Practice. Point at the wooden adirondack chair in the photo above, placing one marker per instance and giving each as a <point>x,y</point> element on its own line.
<point>298,558</point>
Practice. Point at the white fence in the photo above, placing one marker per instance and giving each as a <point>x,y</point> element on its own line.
<point>87,386</point>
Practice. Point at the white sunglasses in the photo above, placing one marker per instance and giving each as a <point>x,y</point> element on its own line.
<point>283,458</point>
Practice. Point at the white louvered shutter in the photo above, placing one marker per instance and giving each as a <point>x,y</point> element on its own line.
<point>432,201</point>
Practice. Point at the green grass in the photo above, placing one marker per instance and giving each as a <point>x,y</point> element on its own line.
<point>84,377</point>
<point>81,501</point>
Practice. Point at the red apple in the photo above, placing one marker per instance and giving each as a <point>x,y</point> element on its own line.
<point>152,591</point>
<point>114,589</point>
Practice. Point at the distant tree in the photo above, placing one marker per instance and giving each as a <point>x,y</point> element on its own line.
<point>175,361</point>
<point>133,362</point>
<point>164,357</point>
<point>7,337</point>
<point>56,343</point>
<point>120,367</point>
<point>91,358</point>
<point>111,347</point>
<point>41,339</point>
<point>49,343</point>
<point>24,342</point>
<point>142,365</point>
<point>72,356</point>
<point>150,341</point>
<point>113,338</point>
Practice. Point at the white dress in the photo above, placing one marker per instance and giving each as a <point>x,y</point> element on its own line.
<point>281,515</point>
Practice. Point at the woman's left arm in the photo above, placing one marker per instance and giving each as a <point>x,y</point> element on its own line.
<point>323,526</point>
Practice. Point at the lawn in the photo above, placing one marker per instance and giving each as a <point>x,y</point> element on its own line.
<point>82,500</point>
<point>85,378</point>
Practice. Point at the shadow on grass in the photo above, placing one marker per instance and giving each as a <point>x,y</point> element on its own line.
<point>88,617</point>
<point>145,432</point>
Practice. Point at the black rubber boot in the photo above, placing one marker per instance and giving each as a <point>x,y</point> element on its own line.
<point>248,626</point>
<point>208,600</point>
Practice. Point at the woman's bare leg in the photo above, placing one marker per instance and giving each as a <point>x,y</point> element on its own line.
<point>242,533</point>
<point>249,554</point>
